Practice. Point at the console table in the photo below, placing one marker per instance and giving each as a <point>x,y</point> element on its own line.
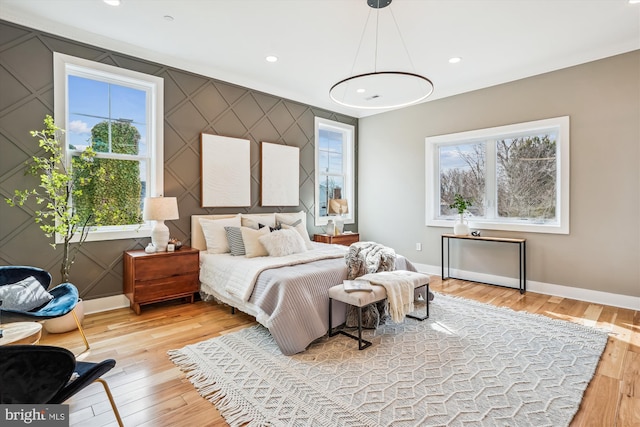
<point>522,251</point>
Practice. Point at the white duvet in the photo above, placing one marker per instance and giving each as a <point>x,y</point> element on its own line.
<point>238,274</point>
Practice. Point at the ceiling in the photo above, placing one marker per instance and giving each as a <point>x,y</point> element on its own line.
<point>317,41</point>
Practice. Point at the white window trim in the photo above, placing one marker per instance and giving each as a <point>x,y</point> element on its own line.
<point>562,177</point>
<point>66,64</point>
<point>349,165</point>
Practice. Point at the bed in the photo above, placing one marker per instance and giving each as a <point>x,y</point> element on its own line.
<point>287,294</point>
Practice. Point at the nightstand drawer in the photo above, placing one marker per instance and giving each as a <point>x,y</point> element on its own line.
<point>345,239</point>
<point>161,276</point>
<point>159,288</point>
<point>150,268</point>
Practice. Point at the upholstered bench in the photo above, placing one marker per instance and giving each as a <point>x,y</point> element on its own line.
<point>361,299</point>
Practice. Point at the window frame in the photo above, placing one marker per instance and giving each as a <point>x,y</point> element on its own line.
<point>65,65</point>
<point>432,175</point>
<point>348,150</point>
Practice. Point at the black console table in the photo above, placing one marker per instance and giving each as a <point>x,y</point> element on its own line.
<point>522,250</point>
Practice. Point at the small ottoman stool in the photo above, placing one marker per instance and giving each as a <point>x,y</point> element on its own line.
<point>361,299</point>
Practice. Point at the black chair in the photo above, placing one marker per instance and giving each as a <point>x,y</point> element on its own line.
<point>65,297</point>
<point>40,374</point>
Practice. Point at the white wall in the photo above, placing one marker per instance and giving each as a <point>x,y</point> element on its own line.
<point>602,251</point>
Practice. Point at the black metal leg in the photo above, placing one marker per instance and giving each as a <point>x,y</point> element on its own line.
<point>442,257</point>
<point>330,333</point>
<point>448,258</point>
<point>359,328</point>
<point>524,266</point>
<point>426,299</point>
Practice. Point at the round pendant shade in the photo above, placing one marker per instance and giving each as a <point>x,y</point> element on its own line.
<point>384,89</point>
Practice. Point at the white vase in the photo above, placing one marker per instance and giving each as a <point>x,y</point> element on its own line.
<point>461,228</point>
<point>65,323</point>
<point>331,228</point>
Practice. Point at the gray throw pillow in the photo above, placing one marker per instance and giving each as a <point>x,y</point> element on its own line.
<point>236,244</point>
<point>24,295</point>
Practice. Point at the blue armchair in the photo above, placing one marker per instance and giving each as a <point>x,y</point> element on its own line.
<point>65,297</point>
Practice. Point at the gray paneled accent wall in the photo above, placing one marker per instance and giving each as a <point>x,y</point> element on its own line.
<point>193,104</point>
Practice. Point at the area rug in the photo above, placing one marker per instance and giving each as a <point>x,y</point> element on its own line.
<point>469,364</point>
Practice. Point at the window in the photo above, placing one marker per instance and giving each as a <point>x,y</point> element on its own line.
<point>119,113</point>
<point>334,168</point>
<point>516,175</point>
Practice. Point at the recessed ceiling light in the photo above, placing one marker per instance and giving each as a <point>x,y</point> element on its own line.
<point>361,90</point>
<point>271,58</point>
<point>634,1</point>
<point>455,60</point>
<point>112,2</point>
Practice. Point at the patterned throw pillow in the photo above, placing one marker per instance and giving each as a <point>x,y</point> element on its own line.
<point>234,238</point>
<point>24,295</point>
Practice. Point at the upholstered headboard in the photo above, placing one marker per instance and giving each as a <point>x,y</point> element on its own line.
<point>197,236</point>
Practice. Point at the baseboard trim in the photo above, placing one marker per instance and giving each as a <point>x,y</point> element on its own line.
<point>616,300</point>
<point>580,294</point>
<point>105,304</point>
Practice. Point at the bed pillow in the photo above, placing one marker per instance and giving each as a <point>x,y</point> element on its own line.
<point>302,231</point>
<point>252,246</point>
<point>234,238</point>
<point>24,295</point>
<point>215,234</point>
<point>291,218</point>
<point>283,242</point>
<point>254,220</point>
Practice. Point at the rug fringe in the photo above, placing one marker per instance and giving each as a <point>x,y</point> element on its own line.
<point>234,413</point>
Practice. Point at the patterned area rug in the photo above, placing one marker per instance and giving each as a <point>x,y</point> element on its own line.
<point>469,364</point>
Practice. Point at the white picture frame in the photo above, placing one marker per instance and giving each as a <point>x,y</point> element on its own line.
<point>280,175</point>
<point>225,170</point>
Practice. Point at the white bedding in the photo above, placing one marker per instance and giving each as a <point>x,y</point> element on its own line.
<point>239,274</point>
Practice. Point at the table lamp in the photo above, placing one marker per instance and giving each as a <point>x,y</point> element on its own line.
<point>159,209</point>
<point>338,206</point>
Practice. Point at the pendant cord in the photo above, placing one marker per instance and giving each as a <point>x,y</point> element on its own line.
<point>375,52</point>
<point>364,30</point>
<point>404,45</point>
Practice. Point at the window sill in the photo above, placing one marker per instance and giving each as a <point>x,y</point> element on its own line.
<point>527,227</point>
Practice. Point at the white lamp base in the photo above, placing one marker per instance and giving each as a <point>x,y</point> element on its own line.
<point>160,236</point>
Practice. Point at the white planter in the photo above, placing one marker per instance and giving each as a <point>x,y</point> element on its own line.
<point>65,323</point>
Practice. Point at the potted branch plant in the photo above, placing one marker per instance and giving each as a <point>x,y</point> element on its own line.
<point>461,228</point>
<point>60,183</point>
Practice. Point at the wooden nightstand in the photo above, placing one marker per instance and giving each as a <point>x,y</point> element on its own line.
<point>340,239</point>
<point>161,276</point>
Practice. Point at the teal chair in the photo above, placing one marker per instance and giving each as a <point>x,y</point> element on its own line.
<point>65,297</point>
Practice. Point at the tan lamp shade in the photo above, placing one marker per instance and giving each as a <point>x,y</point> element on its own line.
<point>338,206</point>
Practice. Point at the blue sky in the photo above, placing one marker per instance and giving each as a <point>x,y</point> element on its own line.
<point>91,102</point>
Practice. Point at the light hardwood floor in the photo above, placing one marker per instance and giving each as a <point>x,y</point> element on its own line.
<point>150,391</point>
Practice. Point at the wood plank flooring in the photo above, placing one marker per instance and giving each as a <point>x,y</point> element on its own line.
<point>151,391</point>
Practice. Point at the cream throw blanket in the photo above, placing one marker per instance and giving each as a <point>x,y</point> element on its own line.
<point>399,286</point>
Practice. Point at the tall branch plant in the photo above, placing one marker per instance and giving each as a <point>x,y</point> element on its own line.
<point>59,185</point>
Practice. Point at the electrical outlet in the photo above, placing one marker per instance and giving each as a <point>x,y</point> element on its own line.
<point>418,246</point>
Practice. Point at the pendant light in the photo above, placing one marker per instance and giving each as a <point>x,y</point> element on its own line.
<point>381,89</point>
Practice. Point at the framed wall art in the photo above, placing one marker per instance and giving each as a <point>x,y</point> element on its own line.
<point>225,171</point>
<point>280,175</point>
